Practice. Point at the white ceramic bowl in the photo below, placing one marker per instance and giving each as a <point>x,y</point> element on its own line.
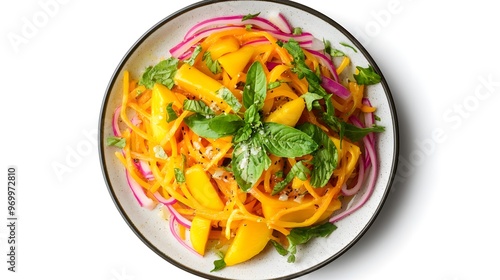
<point>153,230</point>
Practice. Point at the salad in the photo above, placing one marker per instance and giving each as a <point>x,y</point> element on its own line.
<point>251,132</point>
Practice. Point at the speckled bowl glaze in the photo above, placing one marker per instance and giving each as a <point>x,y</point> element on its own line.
<point>153,230</point>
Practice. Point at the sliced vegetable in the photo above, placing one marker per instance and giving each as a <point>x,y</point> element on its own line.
<point>251,238</point>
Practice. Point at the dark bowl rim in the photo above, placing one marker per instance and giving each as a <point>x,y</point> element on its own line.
<point>361,48</point>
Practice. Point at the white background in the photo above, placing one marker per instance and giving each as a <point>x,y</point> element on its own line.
<point>439,58</point>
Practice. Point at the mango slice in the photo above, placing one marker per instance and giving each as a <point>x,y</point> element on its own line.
<point>223,46</point>
<point>251,238</point>
<point>235,62</point>
<point>160,98</point>
<point>200,230</point>
<point>198,183</point>
<point>289,113</point>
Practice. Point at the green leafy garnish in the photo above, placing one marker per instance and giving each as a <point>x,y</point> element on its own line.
<point>348,46</point>
<point>220,263</point>
<point>249,160</point>
<point>198,106</point>
<point>273,85</point>
<point>116,141</point>
<point>298,170</point>
<point>213,65</point>
<point>309,98</point>
<point>297,31</point>
<point>332,51</point>
<point>179,175</point>
<point>285,141</point>
<point>325,158</point>
<point>328,113</point>
<point>229,98</point>
<point>171,114</point>
<point>162,73</point>
<point>255,89</point>
<point>197,50</point>
<point>214,127</point>
<point>366,76</point>
<point>250,16</point>
<point>299,236</point>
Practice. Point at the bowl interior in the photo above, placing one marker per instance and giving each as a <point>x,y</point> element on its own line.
<point>153,229</point>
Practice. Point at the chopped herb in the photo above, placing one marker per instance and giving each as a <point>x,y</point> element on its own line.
<point>298,170</point>
<point>179,175</point>
<point>348,46</point>
<point>116,141</point>
<point>171,114</point>
<point>310,98</point>
<point>229,98</point>
<point>198,106</point>
<point>162,73</point>
<point>248,27</point>
<point>197,50</point>
<point>213,65</point>
<point>297,31</point>
<point>273,85</point>
<point>220,263</point>
<point>367,76</point>
<point>250,16</point>
<point>299,236</point>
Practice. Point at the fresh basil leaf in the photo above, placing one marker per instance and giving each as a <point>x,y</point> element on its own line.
<point>179,175</point>
<point>162,73</point>
<point>249,160</point>
<point>225,125</point>
<point>355,133</point>
<point>309,98</point>
<point>286,141</point>
<point>298,170</point>
<point>299,236</point>
<point>198,106</point>
<point>325,158</point>
<point>301,68</point>
<point>281,250</point>
<point>201,126</point>
<point>243,133</point>
<point>218,265</point>
<point>171,114</point>
<point>229,98</point>
<point>255,89</point>
<point>250,16</point>
<point>197,50</point>
<point>252,116</point>
<point>214,127</point>
<point>366,76</point>
<point>116,141</point>
<point>213,65</point>
<point>302,235</point>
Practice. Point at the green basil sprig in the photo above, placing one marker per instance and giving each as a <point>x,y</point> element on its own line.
<point>253,139</point>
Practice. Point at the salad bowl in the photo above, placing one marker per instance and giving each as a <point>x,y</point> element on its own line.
<point>151,225</point>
